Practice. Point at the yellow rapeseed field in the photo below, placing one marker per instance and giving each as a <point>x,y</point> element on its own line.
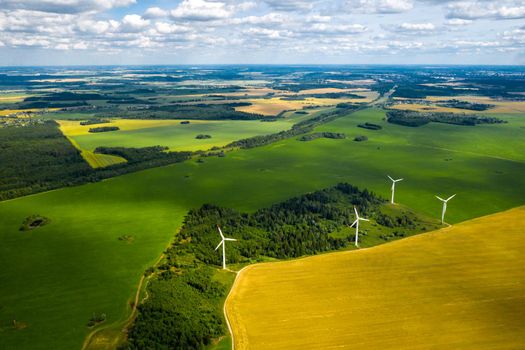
<point>461,287</point>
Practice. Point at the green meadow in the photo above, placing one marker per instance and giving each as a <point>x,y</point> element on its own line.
<point>55,277</point>
<point>179,137</point>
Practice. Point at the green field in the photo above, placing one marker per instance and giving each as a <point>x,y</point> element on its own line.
<point>56,276</point>
<point>175,136</point>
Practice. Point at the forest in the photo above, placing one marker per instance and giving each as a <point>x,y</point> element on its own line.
<point>184,310</point>
<point>415,119</point>
<point>38,158</point>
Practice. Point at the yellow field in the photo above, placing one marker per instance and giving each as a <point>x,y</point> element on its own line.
<point>461,287</point>
<point>73,127</point>
<point>5,112</point>
<point>433,108</point>
<point>96,160</point>
<point>368,94</point>
<point>12,98</point>
<point>500,106</point>
<point>275,105</point>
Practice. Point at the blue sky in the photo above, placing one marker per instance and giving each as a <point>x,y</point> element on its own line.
<point>79,32</point>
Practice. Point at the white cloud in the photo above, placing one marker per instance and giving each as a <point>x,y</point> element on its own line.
<point>134,23</point>
<point>323,28</point>
<point>458,22</point>
<point>201,10</point>
<point>170,28</point>
<point>155,12</point>
<point>415,28</point>
<point>378,6</point>
<point>97,27</point>
<point>267,33</point>
<point>268,19</point>
<point>291,5</point>
<point>64,6</point>
<point>486,9</point>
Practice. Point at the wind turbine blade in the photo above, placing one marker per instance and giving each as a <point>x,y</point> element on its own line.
<point>229,239</point>
<point>355,222</point>
<point>449,198</point>
<point>220,232</point>
<point>356,214</point>
<point>441,199</point>
<point>391,178</point>
<point>399,180</point>
<point>219,245</point>
<point>363,219</point>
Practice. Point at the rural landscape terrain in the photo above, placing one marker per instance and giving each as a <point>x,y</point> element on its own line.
<point>262,207</point>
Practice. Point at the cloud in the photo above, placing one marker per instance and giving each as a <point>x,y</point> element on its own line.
<point>134,23</point>
<point>267,19</point>
<point>201,10</point>
<point>291,5</point>
<point>472,10</point>
<point>458,22</point>
<point>64,6</point>
<point>97,27</point>
<point>170,28</point>
<point>334,29</point>
<point>378,6</point>
<point>415,28</point>
<point>267,33</point>
<point>155,12</point>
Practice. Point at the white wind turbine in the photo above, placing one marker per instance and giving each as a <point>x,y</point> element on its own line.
<point>223,239</point>
<point>393,187</point>
<point>444,206</point>
<point>356,223</point>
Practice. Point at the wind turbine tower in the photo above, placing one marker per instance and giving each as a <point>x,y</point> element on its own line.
<point>393,187</point>
<point>356,223</point>
<point>223,240</point>
<point>444,206</point>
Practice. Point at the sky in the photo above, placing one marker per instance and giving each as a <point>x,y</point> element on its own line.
<point>116,32</point>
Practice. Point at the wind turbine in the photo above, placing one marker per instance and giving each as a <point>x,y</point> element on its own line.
<point>393,187</point>
<point>223,239</point>
<point>444,206</point>
<point>356,223</point>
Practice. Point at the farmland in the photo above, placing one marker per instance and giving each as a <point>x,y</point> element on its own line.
<point>102,236</point>
<point>459,287</point>
<point>170,133</point>
<point>150,205</point>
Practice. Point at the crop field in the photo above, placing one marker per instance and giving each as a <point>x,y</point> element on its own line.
<point>12,98</point>
<point>275,105</point>
<point>169,133</point>
<point>76,265</point>
<point>460,287</point>
<point>5,112</point>
<point>501,107</point>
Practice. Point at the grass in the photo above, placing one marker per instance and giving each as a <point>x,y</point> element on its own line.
<point>459,287</point>
<point>55,277</point>
<point>170,133</point>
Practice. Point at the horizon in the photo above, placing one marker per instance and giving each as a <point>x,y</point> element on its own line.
<point>425,65</point>
<point>186,32</point>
